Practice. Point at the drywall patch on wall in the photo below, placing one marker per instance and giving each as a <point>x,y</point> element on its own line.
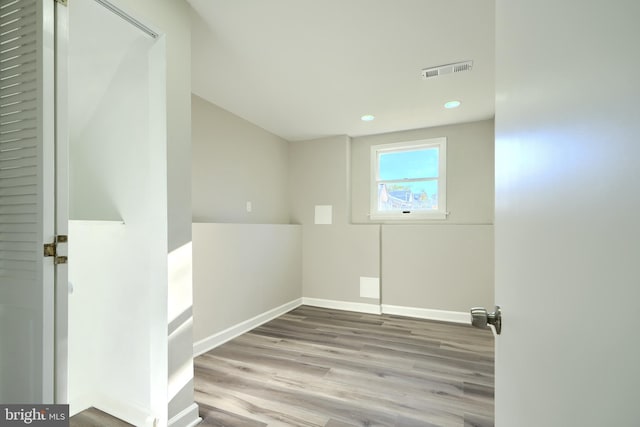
<point>323,215</point>
<point>370,287</point>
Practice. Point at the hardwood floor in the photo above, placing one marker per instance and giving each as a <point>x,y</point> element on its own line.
<point>93,417</point>
<point>320,367</point>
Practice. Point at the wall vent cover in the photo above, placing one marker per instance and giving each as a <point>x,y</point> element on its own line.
<point>429,73</point>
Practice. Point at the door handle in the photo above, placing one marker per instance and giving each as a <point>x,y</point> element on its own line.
<point>481,319</point>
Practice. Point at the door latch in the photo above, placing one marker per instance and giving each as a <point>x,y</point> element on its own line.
<point>481,319</point>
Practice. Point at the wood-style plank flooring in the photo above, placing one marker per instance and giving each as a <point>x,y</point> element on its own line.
<point>320,367</point>
<point>93,417</point>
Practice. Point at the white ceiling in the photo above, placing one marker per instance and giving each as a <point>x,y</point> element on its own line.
<point>304,69</point>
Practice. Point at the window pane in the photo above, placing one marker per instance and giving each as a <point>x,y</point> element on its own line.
<point>409,164</point>
<point>411,196</point>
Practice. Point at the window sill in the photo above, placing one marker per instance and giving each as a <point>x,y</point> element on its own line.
<point>409,217</point>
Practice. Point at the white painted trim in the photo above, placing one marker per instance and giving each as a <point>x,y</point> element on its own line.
<point>45,178</point>
<point>228,334</point>
<point>343,305</point>
<point>232,332</point>
<point>428,313</point>
<point>78,404</point>
<point>126,411</point>
<point>62,201</point>
<point>399,215</point>
<point>188,417</point>
<point>114,407</point>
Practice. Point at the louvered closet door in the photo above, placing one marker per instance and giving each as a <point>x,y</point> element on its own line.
<point>26,200</point>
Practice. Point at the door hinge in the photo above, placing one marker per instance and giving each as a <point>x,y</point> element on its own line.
<point>51,249</point>
<point>62,2</point>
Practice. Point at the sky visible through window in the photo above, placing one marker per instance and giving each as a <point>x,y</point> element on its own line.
<point>409,164</point>
<point>411,179</point>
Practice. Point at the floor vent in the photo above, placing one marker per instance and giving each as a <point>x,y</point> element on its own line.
<point>429,73</point>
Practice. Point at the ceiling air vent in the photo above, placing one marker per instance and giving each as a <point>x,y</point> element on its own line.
<point>440,70</point>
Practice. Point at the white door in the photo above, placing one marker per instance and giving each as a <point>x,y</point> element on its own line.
<point>567,213</point>
<point>27,212</point>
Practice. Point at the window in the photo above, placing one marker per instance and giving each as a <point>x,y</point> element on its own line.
<point>408,180</point>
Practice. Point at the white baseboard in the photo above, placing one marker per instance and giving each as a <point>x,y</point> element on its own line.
<point>78,404</point>
<point>228,334</point>
<point>123,410</point>
<point>342,305</point>
<point>427,313</point>
<point>419,313</point>
<point>189,417</point>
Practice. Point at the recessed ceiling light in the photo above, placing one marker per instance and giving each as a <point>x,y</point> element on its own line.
<point>367,118</point>
<point>452,104</point>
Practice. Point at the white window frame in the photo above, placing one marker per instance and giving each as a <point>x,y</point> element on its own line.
<point>400,215</point>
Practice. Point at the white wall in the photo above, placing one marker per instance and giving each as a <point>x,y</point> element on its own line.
<point>117,169</point>
<point>457,252</point>
<point>567,203</point>
<point>242,271</point>
<point>439,264</point>
<point>438,267</point>
<point>246,264</point>
<point>172,18</point>
<point>235,162</point>
<point>109,294</point>
<point>171,392</point>
<point>319,175</point>
<point>107,143</point>
<point>335,255</point>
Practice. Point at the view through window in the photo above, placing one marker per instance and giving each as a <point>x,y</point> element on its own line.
<point>409,180</point>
